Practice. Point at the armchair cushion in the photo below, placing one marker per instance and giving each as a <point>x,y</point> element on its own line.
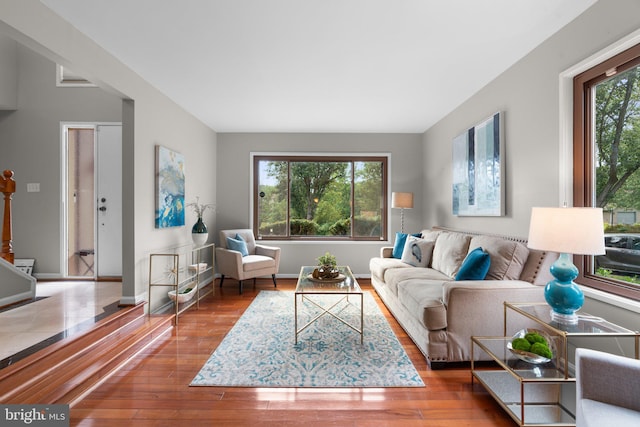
<point>607,389</point>
<point>257,262</point>
<point>238,244</point>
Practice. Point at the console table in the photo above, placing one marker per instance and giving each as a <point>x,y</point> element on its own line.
<point>532,394</point>
<point>180,268</point>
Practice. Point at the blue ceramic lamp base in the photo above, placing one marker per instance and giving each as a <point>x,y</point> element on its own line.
<point>562,294</point>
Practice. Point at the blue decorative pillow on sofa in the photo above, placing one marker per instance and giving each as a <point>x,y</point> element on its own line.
<point>398,247</point>
<point>238,244</point>
<point>475,266</point>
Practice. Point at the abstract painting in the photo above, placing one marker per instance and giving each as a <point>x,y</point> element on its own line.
<point>478,169</point>
<point>169,188</point>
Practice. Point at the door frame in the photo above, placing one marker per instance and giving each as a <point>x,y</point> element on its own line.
<point>64,244</point>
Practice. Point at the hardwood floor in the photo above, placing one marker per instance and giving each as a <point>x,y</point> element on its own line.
<point>153,389</point>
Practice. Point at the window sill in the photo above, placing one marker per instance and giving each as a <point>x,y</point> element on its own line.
<point>615,300</point>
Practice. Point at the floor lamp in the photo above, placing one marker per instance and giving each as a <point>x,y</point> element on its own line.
<point>402,201</point>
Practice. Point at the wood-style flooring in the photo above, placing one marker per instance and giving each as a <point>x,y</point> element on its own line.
<point>153,390</point>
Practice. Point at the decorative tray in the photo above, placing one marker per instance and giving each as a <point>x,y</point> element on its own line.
<point>340,278</point>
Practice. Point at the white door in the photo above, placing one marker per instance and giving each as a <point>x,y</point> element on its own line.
<point>109,201</point>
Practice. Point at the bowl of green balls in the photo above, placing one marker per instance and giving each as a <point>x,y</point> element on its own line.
<point>532,345</point>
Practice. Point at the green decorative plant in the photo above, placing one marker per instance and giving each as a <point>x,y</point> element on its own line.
<point>327,260</point>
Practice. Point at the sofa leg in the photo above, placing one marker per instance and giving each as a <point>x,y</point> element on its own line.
<point>273,276</point>
<point>435,366</point>
<point>240,286</point>
<point>221,280</point>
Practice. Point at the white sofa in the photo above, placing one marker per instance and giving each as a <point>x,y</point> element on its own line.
<point>441,314</point>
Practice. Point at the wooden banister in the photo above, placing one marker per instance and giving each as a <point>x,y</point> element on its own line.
<point>7,187</point>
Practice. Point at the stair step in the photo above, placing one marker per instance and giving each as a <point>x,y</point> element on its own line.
<point>67,370</point>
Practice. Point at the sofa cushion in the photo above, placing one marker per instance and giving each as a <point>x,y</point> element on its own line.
<point>475,266</point>
<point>417,252</point>
<point>394,276</point>
<point>416,295</point>
<point>507,257</point>
<point>379,266</point>
<point>449,252</point>
<point>398,246</point>
<point>430,235</point>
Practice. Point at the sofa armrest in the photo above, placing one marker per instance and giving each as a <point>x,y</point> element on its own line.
<point>269,251</point>
<point>468,301</point>
<point>229,263</point>
<point>386,252</point>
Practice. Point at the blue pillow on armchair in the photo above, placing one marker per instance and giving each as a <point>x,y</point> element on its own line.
<point>238,244</point>
<point>401,239</point>
<point>475,266</point>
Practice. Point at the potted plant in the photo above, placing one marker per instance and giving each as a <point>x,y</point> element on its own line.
<point>326,267</point>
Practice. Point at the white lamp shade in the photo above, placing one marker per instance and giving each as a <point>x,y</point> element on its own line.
<point>402,200</point>
<point>578,231</point>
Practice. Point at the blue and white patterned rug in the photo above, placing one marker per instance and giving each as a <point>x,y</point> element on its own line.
<point>260,350</point>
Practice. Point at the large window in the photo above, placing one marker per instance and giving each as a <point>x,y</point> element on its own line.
<point>607,167</point>
<point>313,197</point>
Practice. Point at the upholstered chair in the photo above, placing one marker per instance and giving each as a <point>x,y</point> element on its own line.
<point>607,390</point>
<point>239,257</point>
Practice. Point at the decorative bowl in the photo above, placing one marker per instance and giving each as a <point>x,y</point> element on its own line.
<point>182,296</point>
<point>528,356</point>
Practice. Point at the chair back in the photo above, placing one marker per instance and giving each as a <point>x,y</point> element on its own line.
<point>245,233</point>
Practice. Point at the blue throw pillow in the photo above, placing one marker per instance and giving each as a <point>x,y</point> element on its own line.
<point>398,246</point>
<point>475,266</point>
<point>238,244</point>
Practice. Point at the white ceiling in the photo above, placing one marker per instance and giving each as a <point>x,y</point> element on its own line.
<point>319,65</point>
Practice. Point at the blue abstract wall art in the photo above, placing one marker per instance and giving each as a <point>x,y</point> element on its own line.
<point>169,188</point>
<point>478,169</point>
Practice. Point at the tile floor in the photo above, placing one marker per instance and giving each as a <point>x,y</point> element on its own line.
<point>65,308</point>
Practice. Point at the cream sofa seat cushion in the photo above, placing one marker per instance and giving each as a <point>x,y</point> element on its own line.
<point>449,252</point>
<point>394,276</point>
<point>507,257</point>
<point>379,266</point>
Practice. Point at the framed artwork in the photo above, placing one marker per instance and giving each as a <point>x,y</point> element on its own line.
<point>478,169</point>
<point>169,188</point>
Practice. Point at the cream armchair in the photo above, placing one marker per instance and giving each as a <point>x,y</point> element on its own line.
<point>607,389</point>
<point>260,260</point>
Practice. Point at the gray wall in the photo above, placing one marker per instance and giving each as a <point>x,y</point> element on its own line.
<point>30,142</point>
<point>149,118</point>
<point>529,94</point>
<point>234,199</point>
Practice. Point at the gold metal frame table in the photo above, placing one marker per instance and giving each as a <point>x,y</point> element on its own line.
<point>346,287</point>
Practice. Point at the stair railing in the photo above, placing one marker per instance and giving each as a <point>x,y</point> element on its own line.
<point>7,187</point>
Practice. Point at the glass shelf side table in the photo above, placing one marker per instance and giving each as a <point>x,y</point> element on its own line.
<point>538,394</point>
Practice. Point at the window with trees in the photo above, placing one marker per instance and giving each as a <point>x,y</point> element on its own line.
<point>318,197</point>
<point>606,164</point>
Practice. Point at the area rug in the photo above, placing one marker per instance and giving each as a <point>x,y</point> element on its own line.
<point>260,350</point>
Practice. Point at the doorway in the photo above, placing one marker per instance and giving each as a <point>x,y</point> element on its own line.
<point>93,201</point>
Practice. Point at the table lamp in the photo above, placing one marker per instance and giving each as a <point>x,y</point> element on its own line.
<point>402,201</point>
<point>568,231</point>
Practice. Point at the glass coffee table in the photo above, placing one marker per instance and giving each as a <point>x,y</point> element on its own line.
<point>346,289</point>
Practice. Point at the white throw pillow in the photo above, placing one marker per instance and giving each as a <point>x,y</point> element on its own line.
<point>417,252</point>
